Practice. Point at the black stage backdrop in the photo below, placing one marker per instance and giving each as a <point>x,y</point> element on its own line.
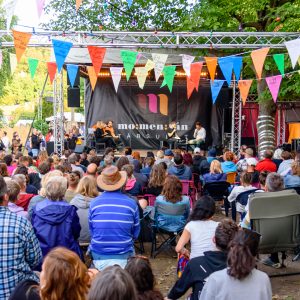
<point>142,116</point>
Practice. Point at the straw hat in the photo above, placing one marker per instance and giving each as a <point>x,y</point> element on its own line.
<point>111,179</point>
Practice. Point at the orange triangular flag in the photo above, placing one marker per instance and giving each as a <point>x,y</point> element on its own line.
<point>21,40</point>
<point>51,66</point>
<point>196,73</point>
<point>92,75</point>
<point>258,58</point>
<point>244,86</point>
<point>97,55</point>
<point>211,63</point>
<point>78,3</point>
<point>190,87</point>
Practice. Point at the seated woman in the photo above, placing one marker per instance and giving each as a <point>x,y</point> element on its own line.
<point>215,173</point>
<point>157,179</point>
<point>149,162</point>
<point>293,179</point>
<point>240,277</point>
<point>228,165</point>
<point>102,136</point>
<point>55,222</point>
<point>141,272</point>
<point>171,207</point>
<point>199,230</point>
<point>132,186</point>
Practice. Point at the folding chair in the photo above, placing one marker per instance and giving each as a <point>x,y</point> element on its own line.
<point>144,227</point>
<point>188,189</point>
<point>242,198</point>
<point>150,198</point>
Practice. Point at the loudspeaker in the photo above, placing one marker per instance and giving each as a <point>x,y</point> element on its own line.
<point>73,97</point>
<point>77,80</point>
<point>50,147</point>
<point>79,149</point>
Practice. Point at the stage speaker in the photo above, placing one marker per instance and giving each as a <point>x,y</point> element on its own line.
<point>73,97</point>
<point>79,149</point>
<point>76,82</point>
<point>50,148</point>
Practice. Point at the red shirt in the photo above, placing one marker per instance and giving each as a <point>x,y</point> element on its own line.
<point>266,165</point>
<point>24,199</point>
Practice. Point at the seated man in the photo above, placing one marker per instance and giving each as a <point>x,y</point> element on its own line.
<point>266,164</point>
<point>165,157</point>
<point>113,220</point>
<point>199,135</point>
<point>20,249</point>
<point>199,268</point>
<point>179,169</point>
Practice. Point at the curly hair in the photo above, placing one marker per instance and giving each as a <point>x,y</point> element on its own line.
<point>157,176</point>
<point>64,276</point>
<point>172,189</point>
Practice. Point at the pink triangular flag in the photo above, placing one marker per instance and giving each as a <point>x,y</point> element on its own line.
<point>273,83</point>
<point>40,6</point>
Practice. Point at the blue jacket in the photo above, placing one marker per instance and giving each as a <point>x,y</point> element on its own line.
<point>228,166</point>
<point>182,172</point>
<point>114,223</point>
<point>146,171</point>
<point>56,223</point>
<point>214,177</point>
<point>291,181</point>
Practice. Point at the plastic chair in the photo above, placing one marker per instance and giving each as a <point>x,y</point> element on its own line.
<point>150,198</point>
<point>231,176</point>
<point>189,189</point>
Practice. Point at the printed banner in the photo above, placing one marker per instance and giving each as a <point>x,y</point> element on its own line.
<point>92,75</point>
<point>186,63</point>
<point>216,86</point>
<point>129,59</point>
<point>258,58</point>
<point>33,64</point>
<point>244,87</point>
<point>169,74</point>
<point>279,60</point>
<point>21,40</point>
<point>97,55</point>
<point>293,48</point>
<point>72,71</point>
<point>211,63</point>
<point>159,61</point>
<point>116,73</point>
<point>141,75</point>
<point>226,66</point>
<point>52,67</point>
<point>13,62</point>
<point>273,83</point>
<point>40,6</point>
<point>61,50</point>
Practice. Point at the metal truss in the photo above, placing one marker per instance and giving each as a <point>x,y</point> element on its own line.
<point>58,114</point>
<point>153,40</point>
<point>281,125</point>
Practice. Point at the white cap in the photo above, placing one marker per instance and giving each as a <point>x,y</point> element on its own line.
<point>251,161</point>
<point>196,150</point>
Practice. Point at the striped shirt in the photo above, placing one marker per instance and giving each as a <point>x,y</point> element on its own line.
<point>114,223</point>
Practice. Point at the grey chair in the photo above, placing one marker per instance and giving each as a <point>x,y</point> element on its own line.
<point>276,216</point>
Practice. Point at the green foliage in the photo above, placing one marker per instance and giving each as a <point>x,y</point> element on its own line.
<point>41,125</point>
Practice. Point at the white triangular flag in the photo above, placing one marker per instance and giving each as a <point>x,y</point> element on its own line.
<point>159,60</point>
<point>293,48</point>
<point>141,75</point>
<point>116,73</point>
<point>186,63</point>
<point>13,62</point>
<point>149,65</point>
<point>9,7</point>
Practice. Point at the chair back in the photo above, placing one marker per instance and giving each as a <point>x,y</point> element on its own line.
<point>296,188</point>
<point>231,177</point>
<point>243,197</point>
<point>276,216</point>
<point>185,187</point>
<point>217,190</point>
<point>150,198</point>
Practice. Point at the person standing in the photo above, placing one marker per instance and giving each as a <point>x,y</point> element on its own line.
<point>6,142</point>
<point>199,135</point>
<point>35,143</point>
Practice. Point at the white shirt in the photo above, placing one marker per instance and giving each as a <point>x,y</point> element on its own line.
<point>235,192</point>
<point>202,233</point>
<point>6,142</point>
<point>200,134</point>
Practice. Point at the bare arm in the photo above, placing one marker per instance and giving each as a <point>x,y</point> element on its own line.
<point>184,239</point>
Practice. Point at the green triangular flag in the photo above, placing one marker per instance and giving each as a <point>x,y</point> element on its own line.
<point>129,59</point>
<point>169,73</point>
<point>279,59</point>
<point>32,63</point>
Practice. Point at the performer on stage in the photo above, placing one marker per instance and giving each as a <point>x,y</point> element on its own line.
<point>199,135</point>
<point>173,137</point>
<point>110,130</point>
<point>102,136</point>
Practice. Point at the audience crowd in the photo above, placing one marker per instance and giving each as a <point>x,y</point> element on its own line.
<point>59,213</point>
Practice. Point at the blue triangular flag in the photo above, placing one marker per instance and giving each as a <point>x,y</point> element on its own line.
<point>129,2</point>
<point>61,50</point>
<point>226,66</point>
<point>72,71</point>
<point>237,66</point>
<point>215,87</point>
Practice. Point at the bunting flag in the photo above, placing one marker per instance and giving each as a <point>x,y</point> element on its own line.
<point>141,75</point>
<point>273,83</point>
<point>1,59</point>
<point>13,62</point>
<point>21,40</point>
<point>211,63</point>
<point>78,4</point>
<point>61,50</point>
<point>186,63</point>
<point>33,64</point>
<point>93,76</point>
<point>258,58</point>
<point>129,2</point>
<point>237,66</point>
<point>279,60</point>
<point>293,48</point>
<point>9,7</point>
<point>129,59</point>
<point>116,73</point>
<point>52,67</point>
<point>215,87</point>
<point>150,65</point>
<point>169,74</point>
<point>40,6</point>
<point>72,71</point>
<point>194,79</point>
<point>226,66</point>
<point>97,55</point>
<point>159,61</point>
<point>244,87</point>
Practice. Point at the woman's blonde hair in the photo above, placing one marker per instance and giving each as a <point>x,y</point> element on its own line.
<point>43,156</point>
<point>45,180</point>
<point>215,167</point>
<point>64,276</point>
<point>295,166</point>
<point>87,187</point>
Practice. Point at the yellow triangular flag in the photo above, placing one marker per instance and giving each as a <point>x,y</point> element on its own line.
<point>149,65</point>
<point>92,76</point>
<point>21,40</point>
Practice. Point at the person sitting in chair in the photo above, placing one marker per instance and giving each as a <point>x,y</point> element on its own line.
<point>102,136</point>
<point>199,135</point>
<point>172,135</point>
